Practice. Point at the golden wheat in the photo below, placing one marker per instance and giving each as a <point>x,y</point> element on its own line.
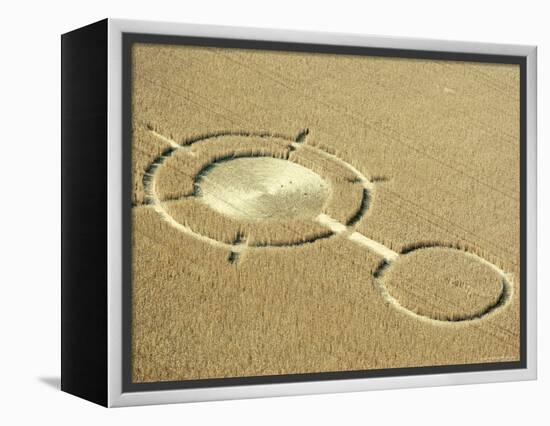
<point>439,140</point>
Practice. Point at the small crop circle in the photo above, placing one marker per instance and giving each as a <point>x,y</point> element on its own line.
<point>444,284</point>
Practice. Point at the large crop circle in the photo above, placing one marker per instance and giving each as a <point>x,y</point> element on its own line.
<point>245,191</point>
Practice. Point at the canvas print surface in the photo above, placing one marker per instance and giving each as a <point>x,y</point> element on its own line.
<point>297,212</point>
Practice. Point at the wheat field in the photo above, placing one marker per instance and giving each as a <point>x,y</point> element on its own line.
<point>434,150</point>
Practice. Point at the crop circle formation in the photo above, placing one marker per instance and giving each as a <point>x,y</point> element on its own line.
<point>254,180</point>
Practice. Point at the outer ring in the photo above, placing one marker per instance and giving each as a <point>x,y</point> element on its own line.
<point>157,204</point>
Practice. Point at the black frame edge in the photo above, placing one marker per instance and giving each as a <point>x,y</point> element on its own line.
<point>84,212</point>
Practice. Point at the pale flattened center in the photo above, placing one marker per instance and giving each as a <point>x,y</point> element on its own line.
<point>262,188</point>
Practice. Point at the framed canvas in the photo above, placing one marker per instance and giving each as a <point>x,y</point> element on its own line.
<point>251,213</point>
